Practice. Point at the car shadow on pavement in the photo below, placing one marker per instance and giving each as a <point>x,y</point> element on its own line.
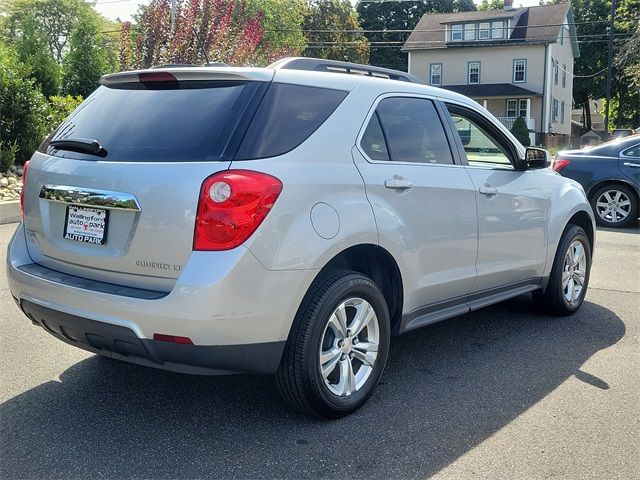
<point>446,388</point>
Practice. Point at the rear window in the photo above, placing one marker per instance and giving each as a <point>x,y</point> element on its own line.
<point>153,125</point>
<point>287,116</point>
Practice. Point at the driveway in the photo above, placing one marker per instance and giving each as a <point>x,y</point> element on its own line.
<point>504,392</point>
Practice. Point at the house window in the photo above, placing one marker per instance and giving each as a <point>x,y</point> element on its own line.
<point>470,31</point>
<point>456,32</point>
<point>436,74</point>
<point>555,71</point>
<point>562,112</point>
<point>564,75</point>
<point>484,31</point>
<point>497,29</point>
<point>519,71</point>
<point>554,111</point>
<point>517,108</point>
<point>474,73</point>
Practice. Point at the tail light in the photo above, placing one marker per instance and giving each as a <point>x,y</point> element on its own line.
<point>232,205</point>
<point>25,169</point>
<point>559,164</point>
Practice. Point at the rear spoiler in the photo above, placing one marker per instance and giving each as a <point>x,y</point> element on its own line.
<point>192,74</point>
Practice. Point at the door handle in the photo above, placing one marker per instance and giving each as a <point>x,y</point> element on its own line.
<point>398,184</point>
<point>488,190</point>
<point>631,164</point>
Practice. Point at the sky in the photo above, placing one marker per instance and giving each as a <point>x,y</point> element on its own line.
<point>123,9</point>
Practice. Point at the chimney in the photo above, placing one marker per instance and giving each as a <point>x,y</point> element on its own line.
<point>508,4</point>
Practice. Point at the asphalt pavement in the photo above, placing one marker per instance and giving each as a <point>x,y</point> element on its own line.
<point>505,392</point>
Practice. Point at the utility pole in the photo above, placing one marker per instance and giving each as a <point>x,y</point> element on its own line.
<point>609,65</point>
<point>173,15</point>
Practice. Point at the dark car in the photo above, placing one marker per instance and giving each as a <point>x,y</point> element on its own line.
<point>610,175</point>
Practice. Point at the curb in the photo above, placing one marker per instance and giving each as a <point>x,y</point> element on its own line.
<point>9,212</point>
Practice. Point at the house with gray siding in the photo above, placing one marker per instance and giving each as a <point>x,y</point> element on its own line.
<point>516,62</point>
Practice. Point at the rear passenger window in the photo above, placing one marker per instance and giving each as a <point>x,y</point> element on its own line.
<point>633,152</point>
<point>287,116</point>
<point>412,130</point>
<point>373,141</point>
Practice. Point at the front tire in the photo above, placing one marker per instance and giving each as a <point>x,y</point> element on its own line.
<point>569,276</point>
<point>338,346</point>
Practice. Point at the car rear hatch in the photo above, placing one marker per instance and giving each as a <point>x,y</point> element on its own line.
<point>112,195</point>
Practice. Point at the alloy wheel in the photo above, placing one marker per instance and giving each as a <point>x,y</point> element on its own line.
<point>613,206</point>
<point>349,347</point>
<point>574,272</point>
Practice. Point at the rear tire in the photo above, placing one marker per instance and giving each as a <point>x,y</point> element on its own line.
<point>338,346</point>
<point>569,276</point>
<point>614,206</point>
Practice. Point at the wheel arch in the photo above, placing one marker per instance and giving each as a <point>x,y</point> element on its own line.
<point>612,181</point>
<point>379,265</point>
<point>581,218</point>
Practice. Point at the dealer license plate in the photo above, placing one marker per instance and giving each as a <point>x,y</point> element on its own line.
<point>85,224</point>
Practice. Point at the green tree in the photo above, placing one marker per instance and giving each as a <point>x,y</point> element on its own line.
<point>33,51</point>
<point>22,109</point>
<point>491,5</point>
<point>591,18</point>
<point>282,21</point>
<point>521,132</point>
<point>378,17</point>
<point>628,59</point>
<point>88,58</point>
<point>54,17</point>
<point>333,32</point>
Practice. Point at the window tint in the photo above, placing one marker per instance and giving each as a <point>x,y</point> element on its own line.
<point>373,142</point>
<point>288,115</point>
<point>135,124</point>
<point>413,131</point>
<point>632,152</point>
<point>479,146</point>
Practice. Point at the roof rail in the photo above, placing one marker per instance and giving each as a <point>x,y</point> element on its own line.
<point>335,66</point>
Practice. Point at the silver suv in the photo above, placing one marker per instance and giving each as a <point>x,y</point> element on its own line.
<point>287,221</point>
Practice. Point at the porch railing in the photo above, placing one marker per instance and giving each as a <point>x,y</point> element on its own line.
<point>508,122</point>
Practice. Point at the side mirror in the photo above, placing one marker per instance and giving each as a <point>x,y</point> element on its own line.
<point>536,158</point>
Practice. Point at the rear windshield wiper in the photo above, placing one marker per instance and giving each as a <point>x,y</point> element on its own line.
<point>80,145</point>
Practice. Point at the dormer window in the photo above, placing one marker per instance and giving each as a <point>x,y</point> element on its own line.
<point>484,31</point>
<point>456,33</point>
<point>497,29</point>
<point>470,31</point>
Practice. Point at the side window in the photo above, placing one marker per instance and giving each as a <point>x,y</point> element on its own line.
<point>479,145</point>
<point>412,130</point>
<point>373,142</point>
<point>633,152</point>
<point>287,116</point>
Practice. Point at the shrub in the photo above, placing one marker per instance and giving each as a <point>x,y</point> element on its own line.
<point>22,109</point>
<point>60,108</point>
<point>7,155</point>
<point>521,131</point>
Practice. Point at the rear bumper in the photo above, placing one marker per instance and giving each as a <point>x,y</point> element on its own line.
<point>121,343</point>
<point>237,313</point>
